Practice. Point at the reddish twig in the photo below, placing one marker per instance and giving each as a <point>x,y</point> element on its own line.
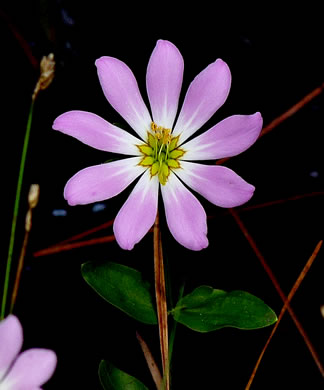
<point>280,201</point>
<point>62,245</point>
<point>277,287</point>
<point>284,309</point>
<point>74,245</point>
<point>287,114</point>
<point>21,40</point>
<point>86,233</point>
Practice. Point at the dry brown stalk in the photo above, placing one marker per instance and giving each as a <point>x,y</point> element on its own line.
<point>277,287</point>
<point>284,309</point>
<point>161,304</point>
<point>154,370</point>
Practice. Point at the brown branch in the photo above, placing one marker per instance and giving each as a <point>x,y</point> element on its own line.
<point>292,110</point>
<point>287,114</point>
<point>284,309</point>
<point>74,245</point>
<point>277,286</point>
<point>280,201</point>
<point>87,232</point>
<point>61,246</point>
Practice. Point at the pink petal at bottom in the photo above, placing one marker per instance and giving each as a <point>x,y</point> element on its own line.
<point>11,339</point>
<point>220,185</point>
<point>185,216</point>
<point>101,182</point>
<point>138,213</point>
<point>32,369</point>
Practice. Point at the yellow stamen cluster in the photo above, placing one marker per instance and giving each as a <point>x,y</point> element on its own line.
<point>160,152</point>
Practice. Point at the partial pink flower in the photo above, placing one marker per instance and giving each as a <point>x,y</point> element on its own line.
<point>25,371</point>
<point>162,157</point>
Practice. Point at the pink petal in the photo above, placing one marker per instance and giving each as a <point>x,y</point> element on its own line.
<point>220,185</point>
<point>138,213</point>
<point>121,90</point>
<point>228,138</point>
<point>94,131</point>
<point>207,92</point>
<point>185,216</point>
<point>163,82</point>
<point>32,369</point>
<point>101,182</point>
<point>11,339</point>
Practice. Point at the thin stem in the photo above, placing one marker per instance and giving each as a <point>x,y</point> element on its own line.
<point>161,303</point>
<point>19,271</point>
<point>16,209</point>
<point>284,309</point>
<point>174,328</point>
<point>277,287</point>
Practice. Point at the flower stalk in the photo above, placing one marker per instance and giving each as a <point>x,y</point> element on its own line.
<point>161,304</point>
<point>47,66</point>
<point>16,210</point>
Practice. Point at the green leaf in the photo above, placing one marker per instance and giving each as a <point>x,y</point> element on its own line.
<point>207,309</point>
<point>123,287</point>
<point>112,378</point>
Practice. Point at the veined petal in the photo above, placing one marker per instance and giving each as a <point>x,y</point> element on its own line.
<point>228,138</point>
<point>163,82</point>
<point>207,92</point>
<point>138,213</point>
<point>94,131</point>
<point>220,185</point>
<point>121,90</point>
<point>100,182</point>
<point>185,215</point>
<point>32,369</point>
<point>11,339</point>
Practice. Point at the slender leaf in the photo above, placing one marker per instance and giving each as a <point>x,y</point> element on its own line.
<point>123,287</point>
<point>111,378</point>
<point>207,309</point>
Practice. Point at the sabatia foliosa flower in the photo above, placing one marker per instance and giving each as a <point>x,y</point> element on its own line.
<point>162,156</point>
<point>25,371</point>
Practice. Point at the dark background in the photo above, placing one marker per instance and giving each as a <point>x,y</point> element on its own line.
<point>275,59</point>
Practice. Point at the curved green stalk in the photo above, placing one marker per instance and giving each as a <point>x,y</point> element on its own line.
<point>16,209</point>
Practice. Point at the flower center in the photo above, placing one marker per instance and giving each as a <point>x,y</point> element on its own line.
<point>160,152</point>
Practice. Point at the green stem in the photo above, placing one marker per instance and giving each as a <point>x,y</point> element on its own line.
<point>16,209</point>
<point>174,327</point>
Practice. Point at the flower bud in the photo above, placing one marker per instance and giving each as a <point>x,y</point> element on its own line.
<point>33,195</point>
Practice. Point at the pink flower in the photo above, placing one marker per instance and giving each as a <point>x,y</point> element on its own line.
<point>162,156</point>
<point>28,370</point>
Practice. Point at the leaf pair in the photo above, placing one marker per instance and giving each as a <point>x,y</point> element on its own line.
<point>203,310</point>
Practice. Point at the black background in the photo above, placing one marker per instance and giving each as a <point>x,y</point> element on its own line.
<point>276,59</point>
